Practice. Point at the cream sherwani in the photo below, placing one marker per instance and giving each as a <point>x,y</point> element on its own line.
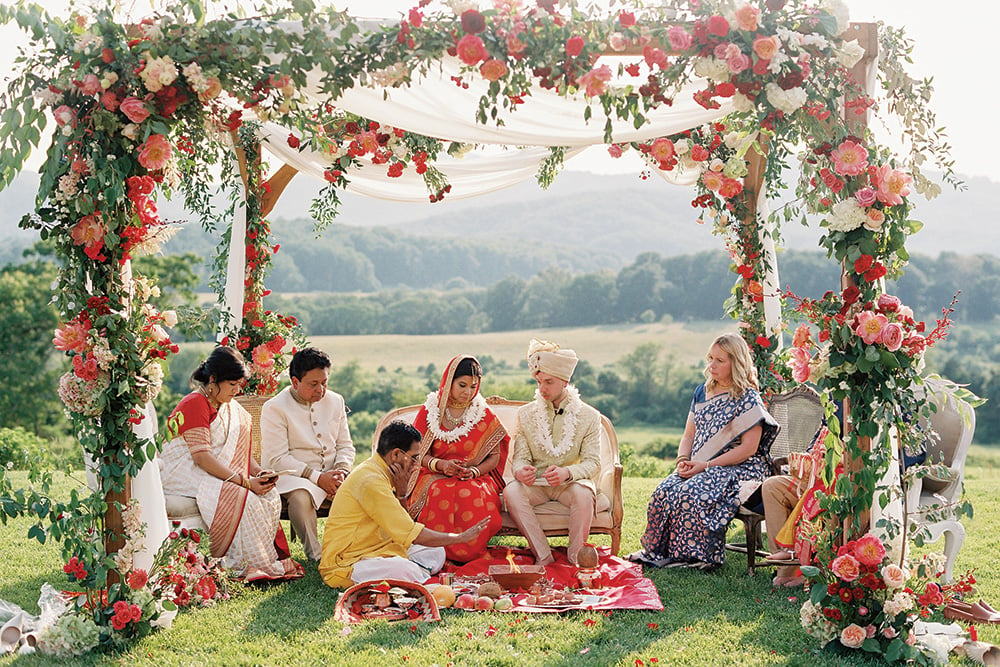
<point>542,439</point>
<point>309,439</point>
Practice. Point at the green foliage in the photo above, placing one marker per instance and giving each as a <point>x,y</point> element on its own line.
<point>20,449</point>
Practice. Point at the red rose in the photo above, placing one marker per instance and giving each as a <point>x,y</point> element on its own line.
<point>416,18</point>
<point>473,22</point>
<point>293,141</point>
<point>107,55</point>
<point>395,170</point>
<point>725,89</point>
<point>863,263</point>
<point>471,50</point>
<point>574,46</point>
<point>875,273</point>
<point>763,341</point>
<point>851,295</point>
<point>626,19</point>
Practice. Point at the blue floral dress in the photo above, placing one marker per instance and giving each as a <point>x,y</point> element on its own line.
<point>687,518</point>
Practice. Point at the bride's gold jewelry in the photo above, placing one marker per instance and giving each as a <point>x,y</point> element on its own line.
<point>452,421</point>
<point>458,405</point>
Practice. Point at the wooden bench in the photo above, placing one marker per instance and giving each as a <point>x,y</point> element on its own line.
<point>553,516</point>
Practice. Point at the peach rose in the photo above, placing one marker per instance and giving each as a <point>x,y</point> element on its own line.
<point>89,231</point>
<point>894,576</point>
<point>155,152</point>
<point>712,180</point>
<point>853,636</point>
<point>212,89</point>
<point>766,47</point>
<point>746,17</point>
<point>493,69</point>
<point>846,567</point>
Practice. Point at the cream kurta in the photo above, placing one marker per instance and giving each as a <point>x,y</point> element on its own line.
<point>309,439</point>
<point>583,459</point>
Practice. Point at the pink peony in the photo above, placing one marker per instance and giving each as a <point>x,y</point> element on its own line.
<point>662,150</point>
<point>89,231</point>
<point>493,69</point>
<point>849,158</point>
<point>679,38</point>
<point>730,187</point>
<point>712,180</point>
<point>135,109</point>
<point>853,636</point>
<point>846,567</point>
<point>155,152</point>
<point>869,550</point>
<point>894,576</point>
<point>746,17</point>
<point>870,326</point>
<point>766,47</point>
<point>595,81</point>
<point>892,336</point>
<point>71,338</point>
<point>471,50</point>
<point>892,185</point>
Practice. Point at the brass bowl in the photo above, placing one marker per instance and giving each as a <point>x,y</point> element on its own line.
<point>512,580</point>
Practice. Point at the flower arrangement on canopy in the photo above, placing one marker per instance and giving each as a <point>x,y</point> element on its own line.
<point>146,110</point>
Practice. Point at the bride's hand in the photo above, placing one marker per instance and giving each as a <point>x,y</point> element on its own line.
<point>450,468</point>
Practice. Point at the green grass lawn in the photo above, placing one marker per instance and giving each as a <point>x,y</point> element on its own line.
<point>722,618</point>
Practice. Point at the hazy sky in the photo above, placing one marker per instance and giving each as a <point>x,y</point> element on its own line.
<point>952,46</point>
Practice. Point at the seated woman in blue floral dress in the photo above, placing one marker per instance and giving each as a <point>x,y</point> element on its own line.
<point>725,446</point>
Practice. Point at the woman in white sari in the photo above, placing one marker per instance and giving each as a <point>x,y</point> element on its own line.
<point>208,457</point>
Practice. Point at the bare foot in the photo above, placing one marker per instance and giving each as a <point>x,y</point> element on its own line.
<point>779,555</point>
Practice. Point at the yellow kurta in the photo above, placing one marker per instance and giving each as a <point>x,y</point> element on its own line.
<point>366,521</point>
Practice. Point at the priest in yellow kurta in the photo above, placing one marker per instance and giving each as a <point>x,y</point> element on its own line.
<point>369,535</point>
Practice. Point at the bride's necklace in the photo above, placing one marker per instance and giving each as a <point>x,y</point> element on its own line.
<point>453,421</point>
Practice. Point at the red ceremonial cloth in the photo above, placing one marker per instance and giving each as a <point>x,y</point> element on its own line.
<point>623,586</point>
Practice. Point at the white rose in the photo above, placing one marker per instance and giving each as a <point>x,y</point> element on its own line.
<point>169,318</point>
<point>785,100</point>
<point>711,68</point>
<point>850,54</point>
<point>742,103</point>
<point>682,146</point>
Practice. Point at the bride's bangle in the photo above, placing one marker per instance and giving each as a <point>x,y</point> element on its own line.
<point>475,471</point>
<point>230,477</point>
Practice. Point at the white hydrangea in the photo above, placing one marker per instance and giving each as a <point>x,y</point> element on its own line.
<point>839,10</point>
<point>897,604</point>
<point>846,216</point>
<point>711,68</point>
<point>788,101</point>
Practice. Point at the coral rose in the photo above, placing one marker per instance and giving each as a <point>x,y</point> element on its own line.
<point>800,364</point>
<point>71,338</point>
<point>135,109</point>
<point>853,636</point>
<point>136,579</point>
<point>869,549</point>
<point>662,150</point>
<point>471,50</point>
<point>89,231</point>
<point>846,567</point>
<point>595,81</point>
<point>155,152</point>
<point>574,46</point>
<point>493,69</point>
<point>746,17</point>
<point>802,337</point>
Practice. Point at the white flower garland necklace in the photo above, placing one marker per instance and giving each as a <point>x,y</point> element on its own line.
<point>472,415</point>
<point>539,430</point>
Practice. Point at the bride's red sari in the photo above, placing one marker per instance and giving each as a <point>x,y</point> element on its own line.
<point>449,504</point>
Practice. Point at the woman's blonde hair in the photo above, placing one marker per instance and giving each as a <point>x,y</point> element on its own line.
<point>743,369</point>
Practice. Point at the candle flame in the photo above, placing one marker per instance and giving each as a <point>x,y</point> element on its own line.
<point>513,566</point>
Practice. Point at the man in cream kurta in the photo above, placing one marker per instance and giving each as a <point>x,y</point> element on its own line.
<point>557,452</point>
<point>304,429</point>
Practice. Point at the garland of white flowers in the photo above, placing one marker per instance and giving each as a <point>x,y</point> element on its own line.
<point>472,416</point>
<point>539,430</point>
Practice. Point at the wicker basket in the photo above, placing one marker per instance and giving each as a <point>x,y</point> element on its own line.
<point>253,405</point>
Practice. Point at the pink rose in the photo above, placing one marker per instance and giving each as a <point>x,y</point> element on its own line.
<point>894,576</point>
<point>617,41</point>
<point>135,109</point>
<point>615,151</point>
<point>595,81</point>
<point>892,336</point>
<point>746,17</point>
<point>766,47</point>
<point>679,38</point>
<point>800,364</point>
<point>155,152</point>
<point>471,50</point>
<point>870,325</point>
<point>846,567</point>
<point>889,632</point>
<point>493,69</point>
<point>626,19</point>
<point>870,631</point>
<point>865,196</point>
<point>71,338</point>
<point>64,115</point>
<point>853,636</point>
<point>574,46</point>
<point>868,549</point>
<point>738,62</point>
<point>718,25</point>
<point>888,303</point>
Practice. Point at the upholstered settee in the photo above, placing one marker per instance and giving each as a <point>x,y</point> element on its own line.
<point>553,516</point>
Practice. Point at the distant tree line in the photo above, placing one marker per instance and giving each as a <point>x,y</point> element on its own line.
<point>689,287</point>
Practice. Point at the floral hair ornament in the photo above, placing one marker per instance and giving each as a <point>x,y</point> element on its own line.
<point>546,357</point>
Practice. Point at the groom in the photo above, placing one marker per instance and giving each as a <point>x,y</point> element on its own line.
<point>557,452</point>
